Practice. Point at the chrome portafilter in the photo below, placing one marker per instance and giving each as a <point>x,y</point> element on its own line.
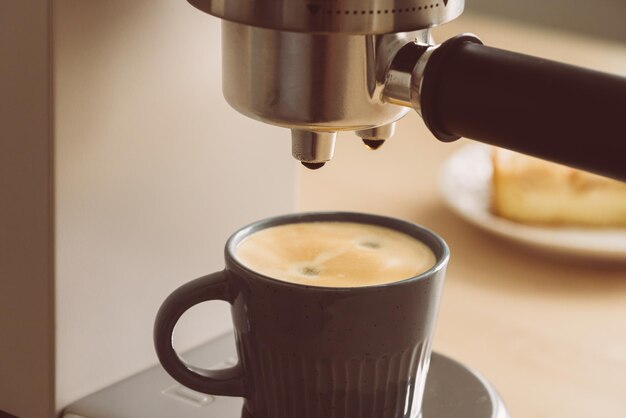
<point>318,67</point>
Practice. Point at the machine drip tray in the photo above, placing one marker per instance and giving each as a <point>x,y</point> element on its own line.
<point>452,391</point>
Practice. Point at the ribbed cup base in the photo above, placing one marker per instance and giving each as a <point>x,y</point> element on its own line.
<point>294,387</point>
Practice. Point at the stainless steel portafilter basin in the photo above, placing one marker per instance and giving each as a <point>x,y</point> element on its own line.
<point>317,82</point>
<point>333,16</point>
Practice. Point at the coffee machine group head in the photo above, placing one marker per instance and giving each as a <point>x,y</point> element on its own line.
<point>318,67</point>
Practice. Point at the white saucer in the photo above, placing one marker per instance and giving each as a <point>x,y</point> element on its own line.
<point>465,186</point>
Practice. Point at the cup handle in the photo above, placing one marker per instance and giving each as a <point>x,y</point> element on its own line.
<point>229,381</point>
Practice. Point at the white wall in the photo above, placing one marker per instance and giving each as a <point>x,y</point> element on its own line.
<point>153,172</point>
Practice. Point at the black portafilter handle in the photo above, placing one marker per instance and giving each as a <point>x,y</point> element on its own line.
<point>555,111</point>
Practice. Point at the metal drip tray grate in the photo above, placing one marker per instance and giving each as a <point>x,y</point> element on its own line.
<point>452,391</point>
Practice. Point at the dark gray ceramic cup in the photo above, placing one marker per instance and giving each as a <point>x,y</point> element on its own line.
<point>316,352</point>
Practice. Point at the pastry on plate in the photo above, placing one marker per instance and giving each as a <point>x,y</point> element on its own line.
<point>534,191</point>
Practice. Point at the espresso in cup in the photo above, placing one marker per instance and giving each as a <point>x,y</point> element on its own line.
<point>335,254</point>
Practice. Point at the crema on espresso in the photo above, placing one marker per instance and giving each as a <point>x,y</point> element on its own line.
<point>334,254</point>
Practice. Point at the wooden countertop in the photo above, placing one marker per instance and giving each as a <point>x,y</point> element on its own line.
<point>549,332</point>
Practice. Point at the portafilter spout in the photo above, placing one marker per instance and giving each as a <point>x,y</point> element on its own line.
<point>319,67</point>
